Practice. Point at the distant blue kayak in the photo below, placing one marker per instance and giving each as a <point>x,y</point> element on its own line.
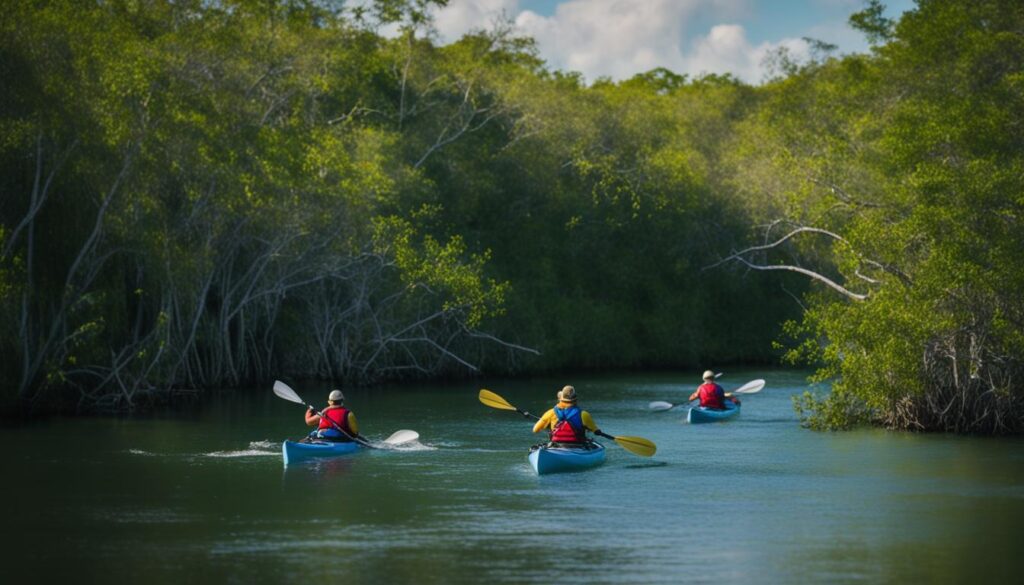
<point>557,459</point>
<point>706,415</point>
<point>301,452</point>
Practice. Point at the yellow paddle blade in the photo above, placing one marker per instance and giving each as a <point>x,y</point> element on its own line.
<point>494,401</point>
<point>638,445</point>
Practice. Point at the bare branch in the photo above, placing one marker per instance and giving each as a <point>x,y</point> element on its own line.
<point>803,307</point>
<point>814,275</point>
<point>489,337</point>
<point>39,194</point>
<point>841,194</point>
<point>867,279</point>
<point>817,276</point>
<point>776,243</point>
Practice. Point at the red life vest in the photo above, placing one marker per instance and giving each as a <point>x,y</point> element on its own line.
<point>338,414</point>
<point>569,428</point>
<point>711,396</point>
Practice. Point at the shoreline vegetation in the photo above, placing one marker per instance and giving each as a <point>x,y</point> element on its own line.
<point>216,194</point>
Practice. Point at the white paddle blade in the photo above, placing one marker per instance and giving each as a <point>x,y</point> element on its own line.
<point>285,391</point>
<point>658,405</point>
<point>750,387</point>
<point>402,436</point>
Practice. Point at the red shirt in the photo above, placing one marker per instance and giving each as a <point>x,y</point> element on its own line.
<point>338,414</point>
<point>711,396</point>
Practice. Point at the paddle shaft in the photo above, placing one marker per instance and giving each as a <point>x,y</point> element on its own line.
<point>526,414</point>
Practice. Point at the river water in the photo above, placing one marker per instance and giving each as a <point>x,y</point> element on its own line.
<point>204,497</point>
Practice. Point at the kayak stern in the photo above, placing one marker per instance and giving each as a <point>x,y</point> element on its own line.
<point>545,460</point>
<point>705,415</point>
<point>294,452</point>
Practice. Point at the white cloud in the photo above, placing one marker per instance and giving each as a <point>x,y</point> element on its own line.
<point>617,38</point>
<point>462,16</point>
<point>620,38</point>
<point>725,49</point>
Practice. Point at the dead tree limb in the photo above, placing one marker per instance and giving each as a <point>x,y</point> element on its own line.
<point>814,275</point>
<point>740,257</point>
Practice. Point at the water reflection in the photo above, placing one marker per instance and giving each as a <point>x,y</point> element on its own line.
<point>330,468</point>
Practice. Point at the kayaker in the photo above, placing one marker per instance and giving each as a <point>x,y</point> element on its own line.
<point>339,415</point>
<point>566,423</point>
<point>712,395</point>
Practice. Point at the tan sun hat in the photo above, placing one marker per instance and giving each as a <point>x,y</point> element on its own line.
<point>568,394</point>
<point>336,396</point>
<point>709,375</point>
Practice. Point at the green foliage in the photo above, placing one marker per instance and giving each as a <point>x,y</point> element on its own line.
<point>438,267</point>
<point>916,165</point>
<point>833,412</point>
<point>253,189</point>
<point>228,192</point>
<point>407,12</point>
<point>872,22</point>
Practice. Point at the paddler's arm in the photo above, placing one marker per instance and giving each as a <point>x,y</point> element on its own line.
<point>545,421</point>
<point>312,418</point>
<point>588,421</point>
<point>352,424</point>
<point>695,395</point>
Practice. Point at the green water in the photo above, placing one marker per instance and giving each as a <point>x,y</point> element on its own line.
<point>204,498</point>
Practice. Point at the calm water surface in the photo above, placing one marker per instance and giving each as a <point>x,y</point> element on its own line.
<point>204,498</point>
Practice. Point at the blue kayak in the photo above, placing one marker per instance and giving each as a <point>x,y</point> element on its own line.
<point>301,452</point>
<point>557,459</point>
<point>706,415</point>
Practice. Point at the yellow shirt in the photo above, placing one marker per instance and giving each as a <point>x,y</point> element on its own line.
<point>352,424</point>
<point>549,420</point>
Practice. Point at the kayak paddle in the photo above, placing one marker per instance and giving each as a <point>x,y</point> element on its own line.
<point>285,391</point>
<point>750,387</point>
<point>637,445</point>
<point>494,401</point>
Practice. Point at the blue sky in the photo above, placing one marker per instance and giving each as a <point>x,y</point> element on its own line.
<point>619,38</point>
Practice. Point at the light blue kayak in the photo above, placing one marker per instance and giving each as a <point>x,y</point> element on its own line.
<point>706,415</point>
<point>558,459</point>
<point>301,452</point>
